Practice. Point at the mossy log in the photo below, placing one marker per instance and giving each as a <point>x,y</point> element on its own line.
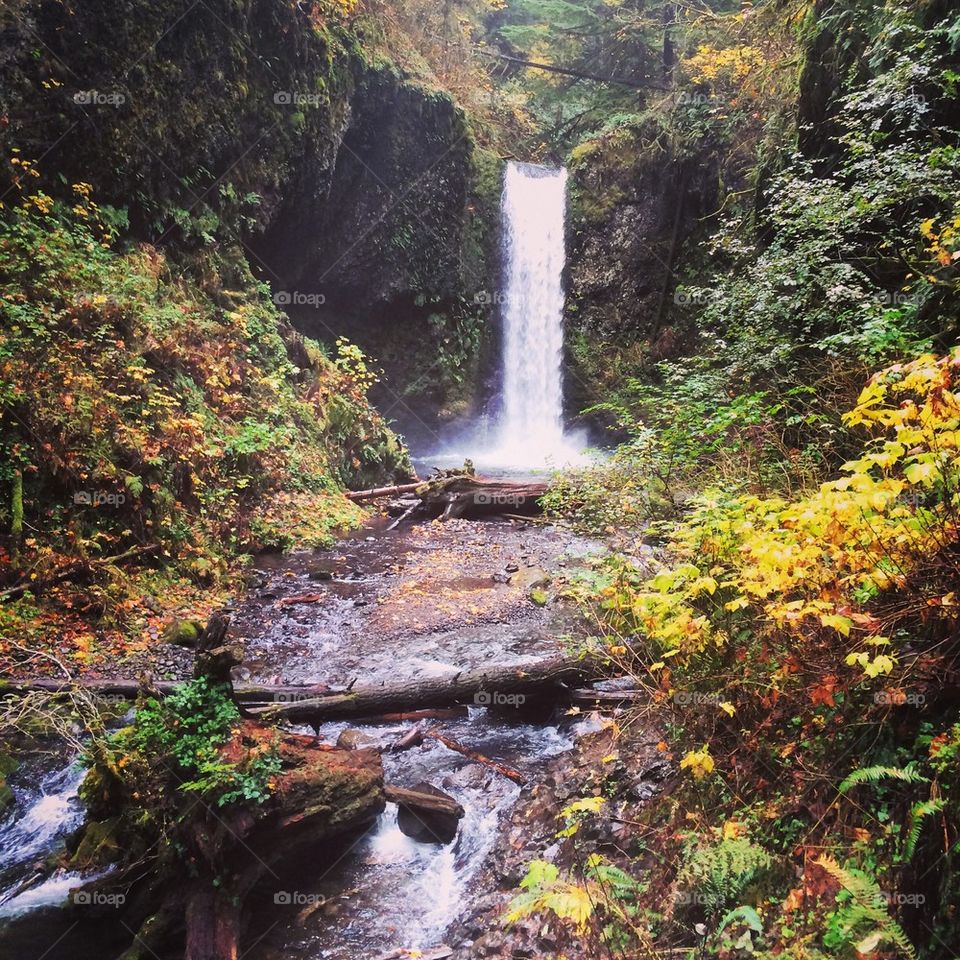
<point>320,796</point>
<point>469,497</point>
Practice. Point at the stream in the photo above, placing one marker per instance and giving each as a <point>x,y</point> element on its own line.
<point>421,600</point>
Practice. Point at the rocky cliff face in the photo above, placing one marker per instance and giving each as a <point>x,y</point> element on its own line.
<point>635,205</point>
<point>278,126</point>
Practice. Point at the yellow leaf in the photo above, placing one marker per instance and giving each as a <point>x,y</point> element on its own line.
<point>840,624</point>
<point>698,762</point>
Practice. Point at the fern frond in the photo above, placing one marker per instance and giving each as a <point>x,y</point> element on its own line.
<point>871,905</point>
<point>917,814</point>
<point>878,773</point>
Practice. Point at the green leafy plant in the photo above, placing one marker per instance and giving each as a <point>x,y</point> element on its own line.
<point>184,734</point>
<point>716,875</point>
<point>861,920</point>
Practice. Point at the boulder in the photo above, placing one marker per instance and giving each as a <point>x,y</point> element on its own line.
<point>424,826</point>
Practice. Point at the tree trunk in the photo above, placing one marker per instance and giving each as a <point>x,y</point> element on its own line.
<point>497,686</point>
<point>213,924</point>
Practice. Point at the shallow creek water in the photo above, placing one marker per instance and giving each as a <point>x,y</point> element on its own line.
<point>422,600</point>
<point>427,600</point>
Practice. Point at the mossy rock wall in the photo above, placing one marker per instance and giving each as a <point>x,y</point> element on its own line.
<point>277,126</point>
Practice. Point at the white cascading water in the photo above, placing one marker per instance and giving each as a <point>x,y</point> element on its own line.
<point>530,430</point>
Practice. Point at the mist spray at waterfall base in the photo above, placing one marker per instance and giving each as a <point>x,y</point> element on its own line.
<point>527,431</point>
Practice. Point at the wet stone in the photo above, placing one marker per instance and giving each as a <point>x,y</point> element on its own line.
<point>354,739</point>
<point>424,826</point>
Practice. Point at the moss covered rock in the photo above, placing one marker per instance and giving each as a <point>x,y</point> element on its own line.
<point>7,766</point>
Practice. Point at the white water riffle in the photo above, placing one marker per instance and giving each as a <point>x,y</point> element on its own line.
<point>41,818</point>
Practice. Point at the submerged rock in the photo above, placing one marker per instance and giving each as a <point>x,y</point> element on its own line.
<point>353,739</point>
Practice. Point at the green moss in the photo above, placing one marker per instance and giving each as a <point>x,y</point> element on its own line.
<point>7,766</point>
<point>100,844</point>
<point>184,414</point>
<point>183,633</point>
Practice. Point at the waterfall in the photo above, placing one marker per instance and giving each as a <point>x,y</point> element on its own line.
<point>530,428</point>
<point>526,432</point>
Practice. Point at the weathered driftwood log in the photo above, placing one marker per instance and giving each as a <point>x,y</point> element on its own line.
<point>491,686</point>
<point>377,493</point>
<point>467,497</point>
<point>260,698</point>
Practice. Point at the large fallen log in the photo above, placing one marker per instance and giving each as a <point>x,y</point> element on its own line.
<point>464,495</point>
<point>262,698</point>
<point>467,497</point>
<point>493,686</point>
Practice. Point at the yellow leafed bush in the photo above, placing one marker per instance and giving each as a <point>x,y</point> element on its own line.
<point>816,563</point>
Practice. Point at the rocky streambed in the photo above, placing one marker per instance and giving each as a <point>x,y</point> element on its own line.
<point>421,601</point>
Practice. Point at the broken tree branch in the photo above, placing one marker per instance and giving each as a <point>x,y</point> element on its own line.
<point>515,775</point>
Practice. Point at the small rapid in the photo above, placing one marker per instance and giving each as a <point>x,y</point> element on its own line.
<point>42,816</point>
<point>388,891</point>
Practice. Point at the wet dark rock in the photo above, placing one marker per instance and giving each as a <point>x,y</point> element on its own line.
<point>321,575</point>
<point>501,578</point>
<point>657,771</point>
<point>428,827</point>
<point>511,567</point>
